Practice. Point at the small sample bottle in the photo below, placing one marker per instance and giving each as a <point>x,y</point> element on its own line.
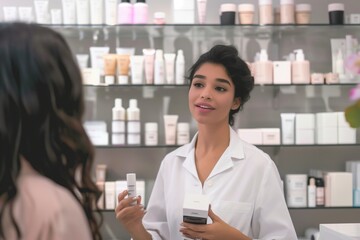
<point>133,123</point>
<point>320,192</point>
<point>118,123</point>
<point>159,68</point>
<point>180,68</point>
<point>151,134</point>
<point>287,12</point>
<point>131,186</point>
<point>125,12</point>
<point>300,68</point>
<point>265,12</point>
<point>263,69</point>
<point>159,17</point>
<point>311,193</point>
<point>140,12</point>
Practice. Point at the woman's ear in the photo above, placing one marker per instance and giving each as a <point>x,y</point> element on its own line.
<point>236,104</point>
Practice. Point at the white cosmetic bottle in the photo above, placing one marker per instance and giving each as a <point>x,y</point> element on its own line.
<point>180,68</point>
<point>159,72</point>
<point>131,186</point>
<point>118,123</point>
<point>263,69</point>
<point>140,12</point>
<point>312,193</point>
<point>133,123</point>
<point>300,68</point>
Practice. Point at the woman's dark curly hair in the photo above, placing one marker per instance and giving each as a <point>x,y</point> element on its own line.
<point>236,68</point>
<point>41,109</point>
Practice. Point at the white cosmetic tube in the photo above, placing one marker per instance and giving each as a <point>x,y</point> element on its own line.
<point>127,51</point>
<point>110,12</point>
<point>97,12</point>
<point>137,68</point>
<point>69,12</point>
<point>97,57</point>
<point>56,16</point>
<point>288,128</point>
<point>170,123</point>
<point>149,58</point>
<point>25,14</point>
<point>83,12</point>
<point>131,186</point>
<point>169,67</point>
<point>42,11</point>
<point>10,14</point>
<point>201,7</point>
<point>82,60</point>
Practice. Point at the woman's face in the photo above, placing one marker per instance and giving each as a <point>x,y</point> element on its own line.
<point>211,95</point>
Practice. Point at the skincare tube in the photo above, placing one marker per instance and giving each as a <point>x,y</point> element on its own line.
<point>25,14</point>
<point>82,60</point>
<point>288,128</point>
<point>110,12</point>
<point>97,60</point>
<point>42,11</point>
<point>137,68</point>
<point>69,11</point>
<point>10,14</point>
<point>110,68</point>
<point>170,122</point>
<point>159,73</point>
<point>169,67</point>
<point>149,58</point>
<point>201,7</point>
<point>83,12</point>
<point>123,62</point>
<point>97,12</point>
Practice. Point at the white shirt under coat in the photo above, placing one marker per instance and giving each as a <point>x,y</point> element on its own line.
<point>244,188</point>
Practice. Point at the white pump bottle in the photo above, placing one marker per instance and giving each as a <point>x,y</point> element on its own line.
<point>300,68</point>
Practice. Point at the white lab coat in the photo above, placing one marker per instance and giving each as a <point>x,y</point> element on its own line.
<point>244,189</point>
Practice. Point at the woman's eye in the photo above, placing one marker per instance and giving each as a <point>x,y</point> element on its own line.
<point>220,89</point>
<point>198,85</point>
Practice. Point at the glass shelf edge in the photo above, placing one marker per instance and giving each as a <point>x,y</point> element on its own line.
<point>186,85</point>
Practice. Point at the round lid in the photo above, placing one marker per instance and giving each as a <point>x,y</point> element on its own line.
<point>128,1</point>
<point>151,126</point>
<point>118,103</point>
<point>265,2</point>
<point>228,7</point>
<point>183,126</point>
<point>133,103</point>
<point>245,7</point>
<point>159,15</point>
<point>303,7</point>
<point>141,1</point>
<point>286,2</point>
<point>336,7</point>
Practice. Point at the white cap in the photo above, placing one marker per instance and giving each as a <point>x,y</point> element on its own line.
<point>109,79</point>
<point>245,7</point>
<point>263,55</point>
<point>299,55</point>
<point>123,79</point>
<point>131,178</point>
<point>303,7</point>
<point>118,103</point>
<point>228,7</point>
<point>159,15</point>
<point>183,126</point>
<point>151,126</point>
<point>133,103</point>
<point>265,2</point>
<point>312,182</point>
<point>180,52</point>
<point>336,7</point>
<point>286,2</point>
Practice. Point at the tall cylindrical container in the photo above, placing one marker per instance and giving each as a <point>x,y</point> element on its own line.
<point>265,12</point>
<point>287,12</point>
<point>140,12</point>
<point>125,12</point>
<point>118,123</point>
<point>133,123</point>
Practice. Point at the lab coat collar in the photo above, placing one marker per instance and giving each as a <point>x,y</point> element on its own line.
<point>235,151</point>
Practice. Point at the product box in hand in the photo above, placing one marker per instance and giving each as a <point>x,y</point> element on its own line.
<point>196,208</point>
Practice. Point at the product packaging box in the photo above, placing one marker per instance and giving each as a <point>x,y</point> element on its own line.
<point>251,135</point>
<point>196,208</point>
<point>304,128</point>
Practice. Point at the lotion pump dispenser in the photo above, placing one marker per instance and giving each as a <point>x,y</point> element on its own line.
<point>300,68</point>
<point>133,123</point>
<point>118,123</point>
<point>263,69</point>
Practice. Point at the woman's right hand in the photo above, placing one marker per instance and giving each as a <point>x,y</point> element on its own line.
<point>129,212</point>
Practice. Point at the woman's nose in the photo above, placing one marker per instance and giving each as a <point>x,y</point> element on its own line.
<point>206,94</point>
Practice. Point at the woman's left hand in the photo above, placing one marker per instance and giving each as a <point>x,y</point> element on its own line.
<point>218,230</point>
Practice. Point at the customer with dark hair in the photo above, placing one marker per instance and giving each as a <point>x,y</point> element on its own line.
<point>241,181</point>
<point>46,189</point>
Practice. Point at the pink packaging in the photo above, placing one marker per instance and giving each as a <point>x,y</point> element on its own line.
<point>125,12</point>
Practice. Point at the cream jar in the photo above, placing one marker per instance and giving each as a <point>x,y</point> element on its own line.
<point>265,12</point>
<point>287,10</point>
<point>302,13</point>
<point>159,18</point>
<point>246,13</point>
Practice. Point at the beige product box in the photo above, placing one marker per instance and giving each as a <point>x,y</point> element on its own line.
<point>282,72</point>
<point>346,134</point>
<point>110,195</point>
<point>338,189</point>
<point>340,231</point>
<point>251,135</point>
<point>304,128</point>
<point>271,136</point>
<point>196,208</point>
<point>326,128</point>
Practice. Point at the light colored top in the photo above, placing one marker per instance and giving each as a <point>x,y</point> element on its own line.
<point>45,210</point>
<point>244,188</point>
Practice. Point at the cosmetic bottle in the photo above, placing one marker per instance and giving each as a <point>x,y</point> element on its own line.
<point>287,12</point>
<point>140,12</point>
<point>118,123</point>
<point>263,69</point>
<point>302,13</point>
<point>97,12</point>
<point>336,13</point>
<point>125,12</point>
<point>339,64</point>
<point>320,192</point>
<point>83,12</point>
<point>133,123</point>
<point>265,12</point>
<point>111,12</point>
<point>159,71</point>
<point>311,193</point>
<point>131,186</point>
<point>151,134</point>
<point>227,14</point>
<point>180,68</point>
<point>300,68</point>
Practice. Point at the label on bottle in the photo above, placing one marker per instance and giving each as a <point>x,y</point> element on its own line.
<point>118,126</point>
<point>133,126</point>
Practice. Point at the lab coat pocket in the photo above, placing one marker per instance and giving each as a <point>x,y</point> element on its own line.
<point>237,214</point>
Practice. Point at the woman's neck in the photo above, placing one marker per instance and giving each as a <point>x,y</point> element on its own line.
<point>212,137</point>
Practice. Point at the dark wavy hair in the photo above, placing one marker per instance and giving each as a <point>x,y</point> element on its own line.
<point>41,109</point>
<point>236,68</point>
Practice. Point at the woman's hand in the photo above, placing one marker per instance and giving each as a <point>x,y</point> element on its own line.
<point>218,230</point>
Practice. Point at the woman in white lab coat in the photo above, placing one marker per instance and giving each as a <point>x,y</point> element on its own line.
<point>241,181</point>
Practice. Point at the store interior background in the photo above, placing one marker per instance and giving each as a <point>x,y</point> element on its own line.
<point>301,159</point>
